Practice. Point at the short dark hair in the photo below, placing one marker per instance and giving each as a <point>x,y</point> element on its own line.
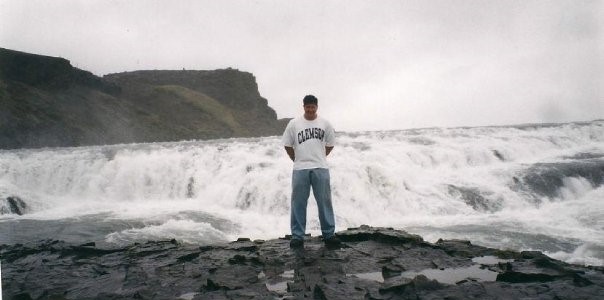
<point>310,99</point>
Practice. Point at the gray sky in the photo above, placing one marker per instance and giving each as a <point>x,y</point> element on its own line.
<point>372,64</point>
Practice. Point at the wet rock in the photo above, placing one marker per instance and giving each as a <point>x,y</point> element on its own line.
<point>474,197</point>
<point>243,245</point>
<point>546,179</point>
<point>498,155</point>
<point>381,234</point>
<point>188,257</point>
<point>581,281</point>
<point>517,277</point>
<point>409,287</point>
<point>421,282</point>
<point>396,285</point>
<point>461,248</point>
<point>13,205</point>
<point>232,278</point>
<point>337,291</point>
<point>374,263</point>
<point>390,270</point>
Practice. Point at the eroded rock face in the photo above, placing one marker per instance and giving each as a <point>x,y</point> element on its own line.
<point>12,205</point>
<point>373,263</point>
<point>46,102</point>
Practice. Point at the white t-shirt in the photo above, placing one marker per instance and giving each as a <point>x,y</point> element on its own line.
<point>309,139</point>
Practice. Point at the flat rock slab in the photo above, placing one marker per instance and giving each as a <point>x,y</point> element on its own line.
<point>373,263</point>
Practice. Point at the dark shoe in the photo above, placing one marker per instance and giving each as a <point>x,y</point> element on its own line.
<point>296,243</point>
<point>333,242</point>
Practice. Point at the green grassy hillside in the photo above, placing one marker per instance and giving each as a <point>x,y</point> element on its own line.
<point>45,102</point>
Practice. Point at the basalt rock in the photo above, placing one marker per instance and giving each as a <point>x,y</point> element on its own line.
<point>373,263</point>
<point>13,205</point>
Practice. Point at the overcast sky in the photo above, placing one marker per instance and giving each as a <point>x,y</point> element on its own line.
<point>372,64</point>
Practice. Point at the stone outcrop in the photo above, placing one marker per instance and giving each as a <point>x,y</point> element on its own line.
<point>373,263</point>
<point>12,205</point>
<point>45,102</point>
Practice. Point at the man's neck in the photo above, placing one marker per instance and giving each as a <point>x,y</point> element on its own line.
<point>310,118</point>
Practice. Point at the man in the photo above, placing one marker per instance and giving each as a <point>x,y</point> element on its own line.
<point>308,140</point>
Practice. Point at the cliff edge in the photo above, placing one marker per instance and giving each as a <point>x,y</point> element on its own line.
<point>46,102</point>
<point>373,263</point>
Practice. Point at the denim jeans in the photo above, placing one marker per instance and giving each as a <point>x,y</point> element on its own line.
<point>302,180</point>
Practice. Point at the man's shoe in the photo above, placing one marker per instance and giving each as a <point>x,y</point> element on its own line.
<point>296,243</point>
<point>333,242</point>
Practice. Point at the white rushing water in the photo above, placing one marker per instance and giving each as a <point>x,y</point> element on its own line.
<point>526,187</point>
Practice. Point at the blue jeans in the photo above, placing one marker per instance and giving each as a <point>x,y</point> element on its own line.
<point>302,180</point>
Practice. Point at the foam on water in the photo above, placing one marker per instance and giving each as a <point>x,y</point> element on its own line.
<point>183,230</point>
<point>469,183</point>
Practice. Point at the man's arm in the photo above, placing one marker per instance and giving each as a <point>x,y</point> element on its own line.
<point>328,150</point>
<point>290,153</point>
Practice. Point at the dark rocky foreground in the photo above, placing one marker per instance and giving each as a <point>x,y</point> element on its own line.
<point>373,263</point>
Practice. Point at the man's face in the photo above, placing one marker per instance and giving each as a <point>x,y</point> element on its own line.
<point>310,111</point>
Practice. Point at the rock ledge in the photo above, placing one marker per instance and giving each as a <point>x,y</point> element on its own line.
<point>373,263</point>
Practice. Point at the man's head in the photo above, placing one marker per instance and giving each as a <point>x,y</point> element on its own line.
<point>310,99</point>
<point>310,107</point>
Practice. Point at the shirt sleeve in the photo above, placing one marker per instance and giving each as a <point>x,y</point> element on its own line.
<point>330,136</point>
<point>288,137</point>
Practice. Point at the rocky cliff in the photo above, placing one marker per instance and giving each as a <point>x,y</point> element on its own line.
<point>373,263</point>
<point>46,102</point>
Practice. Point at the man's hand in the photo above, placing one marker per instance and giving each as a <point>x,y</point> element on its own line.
<point>290,153</point>
<point>328,150</point>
